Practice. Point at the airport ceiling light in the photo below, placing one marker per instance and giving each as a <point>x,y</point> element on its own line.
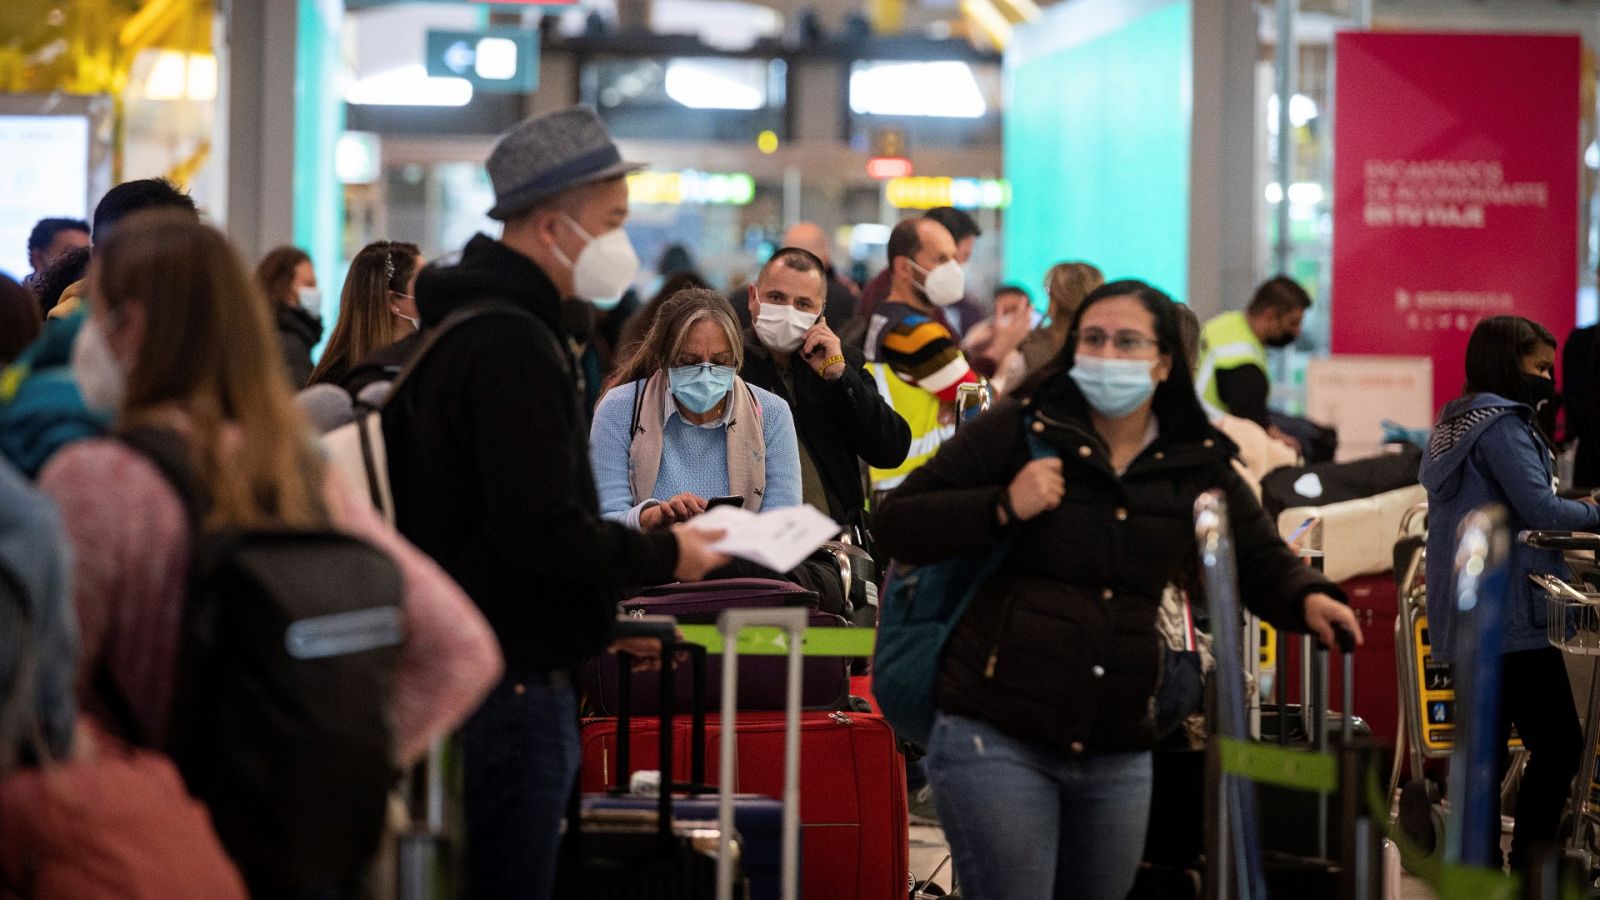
<point>178,76</point>
<point>408,86</point>
<point>1302,110</point>
<point>944,89</point>
<point>716,84</point>
<point>989,21</point>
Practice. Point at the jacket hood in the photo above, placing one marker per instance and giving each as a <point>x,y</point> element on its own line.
<point>487,269</point>
<point>1463,421</point>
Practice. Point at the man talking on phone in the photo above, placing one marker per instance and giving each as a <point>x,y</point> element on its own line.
<point>839,415</point>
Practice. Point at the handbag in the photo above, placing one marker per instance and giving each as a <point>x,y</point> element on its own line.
<point>919,610</point>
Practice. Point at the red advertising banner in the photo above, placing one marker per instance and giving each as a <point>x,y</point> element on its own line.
<point>1455,181</point>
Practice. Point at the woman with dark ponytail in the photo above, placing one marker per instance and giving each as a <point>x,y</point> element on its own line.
<point>1489,447</point>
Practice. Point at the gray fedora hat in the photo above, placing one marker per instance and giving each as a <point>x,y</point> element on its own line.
<point>548,154</point>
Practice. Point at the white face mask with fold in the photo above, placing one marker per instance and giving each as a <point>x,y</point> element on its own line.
<point>783,328</point>
<point>102,382</point>
<point>944,284</point>
<point>605,267</point>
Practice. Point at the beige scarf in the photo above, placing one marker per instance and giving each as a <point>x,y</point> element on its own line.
<point>747,445</point>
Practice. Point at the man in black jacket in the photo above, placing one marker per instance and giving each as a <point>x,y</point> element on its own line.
<point>489,459</point>
<point>839,415</point>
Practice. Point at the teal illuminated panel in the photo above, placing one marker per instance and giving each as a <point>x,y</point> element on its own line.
<point>1097,151</point>
<point>318,121</point>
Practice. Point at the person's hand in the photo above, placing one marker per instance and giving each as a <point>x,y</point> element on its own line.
<point>671,512</point>
<point>1037,488</point>
<point>1322,612</point>
<point>821,345</point>
<point>695,556</point>
<point>1013,319</point>
<point>1278,435</point>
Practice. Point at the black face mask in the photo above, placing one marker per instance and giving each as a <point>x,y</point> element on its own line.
<point>578,316</point>
<point>1540,393</point>
<point>1279,341</point>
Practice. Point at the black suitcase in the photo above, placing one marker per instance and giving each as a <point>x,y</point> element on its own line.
<point>613,854</point>
<point>1334,482</point>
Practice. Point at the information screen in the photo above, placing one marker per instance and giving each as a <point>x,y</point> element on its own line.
<point>46,175</point>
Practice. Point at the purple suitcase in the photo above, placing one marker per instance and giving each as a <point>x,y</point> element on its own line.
<point>826,681</point>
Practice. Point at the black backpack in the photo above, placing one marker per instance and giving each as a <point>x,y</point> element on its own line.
<point>289,644</point>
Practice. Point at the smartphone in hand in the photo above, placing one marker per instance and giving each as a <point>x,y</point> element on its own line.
<point>734,500</point>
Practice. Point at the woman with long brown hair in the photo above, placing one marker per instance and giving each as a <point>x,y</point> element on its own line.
<point>1066,284</point>
<point>179,340</point>
<point>289,282</point>
<point>377,308</point>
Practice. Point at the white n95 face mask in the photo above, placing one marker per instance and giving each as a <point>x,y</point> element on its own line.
<point>101,381</point>
<point>783,328</point>
<point>604,268</point>
<point>945,283</point>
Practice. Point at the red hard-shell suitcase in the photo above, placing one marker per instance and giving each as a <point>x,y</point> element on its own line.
<point>1374,598</point>
<point>853,817</point>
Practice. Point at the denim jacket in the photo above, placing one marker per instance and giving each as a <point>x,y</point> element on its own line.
<point>1485,449</point>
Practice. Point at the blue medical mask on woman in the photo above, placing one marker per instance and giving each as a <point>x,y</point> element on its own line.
<point>700,387</point>
<point>1114,387</point>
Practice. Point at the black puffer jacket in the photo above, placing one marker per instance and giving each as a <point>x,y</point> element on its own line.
<point>1060,646</point>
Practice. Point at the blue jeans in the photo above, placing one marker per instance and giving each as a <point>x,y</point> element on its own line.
<point>520,758</point>
<point>1026,822</point>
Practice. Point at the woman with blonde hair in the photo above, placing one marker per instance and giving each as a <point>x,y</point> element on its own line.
<point>377,308</point>
<point>179,341</point>
<point>680,427</point>
<point>1066,284</point>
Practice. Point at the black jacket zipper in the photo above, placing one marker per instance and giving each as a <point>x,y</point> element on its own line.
<point>994,652</point>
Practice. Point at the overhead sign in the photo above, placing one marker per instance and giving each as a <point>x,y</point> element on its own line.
<point>1455,191</point>
<point>689,186</point>
<point>962,193</point>
<point>503,60</point>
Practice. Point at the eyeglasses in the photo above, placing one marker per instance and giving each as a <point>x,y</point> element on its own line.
<point>1125,342</point>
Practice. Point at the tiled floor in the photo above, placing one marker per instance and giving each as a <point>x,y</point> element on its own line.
<point>928,851</point>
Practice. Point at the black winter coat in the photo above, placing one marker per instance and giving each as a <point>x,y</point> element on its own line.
<point>838,422</point>
<point>489,460</point>
<point>298,332</point>
<point>1060,645</point>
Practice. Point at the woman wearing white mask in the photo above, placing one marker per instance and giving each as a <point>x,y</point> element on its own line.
<point>377,308</point>
<point>1040,752</point>
<point>287,278</point>
<point>179,343</point>
<point>681,428</point>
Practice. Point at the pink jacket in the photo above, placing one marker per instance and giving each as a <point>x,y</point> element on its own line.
<point>131,546</point>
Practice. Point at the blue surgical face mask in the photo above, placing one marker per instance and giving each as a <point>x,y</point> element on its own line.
<point>700,387</point>
<point>1114,387</point>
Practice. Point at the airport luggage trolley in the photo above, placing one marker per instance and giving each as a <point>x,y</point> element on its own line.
<point>1573,623</point>
<point>1427,691</point>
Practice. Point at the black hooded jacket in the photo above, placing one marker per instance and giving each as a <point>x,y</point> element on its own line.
<point>489,458</point>
<point>1060,645</point>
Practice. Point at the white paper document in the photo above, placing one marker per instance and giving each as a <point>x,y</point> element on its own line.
<point>779,539</point>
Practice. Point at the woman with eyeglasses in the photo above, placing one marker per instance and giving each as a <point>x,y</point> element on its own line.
<point>377,308</point>
<point>680,428</point>
<point>1040,756</point>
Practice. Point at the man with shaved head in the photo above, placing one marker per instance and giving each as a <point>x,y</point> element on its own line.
<point>842,295</point>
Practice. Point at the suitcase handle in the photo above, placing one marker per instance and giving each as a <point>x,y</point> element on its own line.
<point>792,621</point>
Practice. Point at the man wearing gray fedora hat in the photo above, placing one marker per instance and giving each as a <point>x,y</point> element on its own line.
<point>489,463</point>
